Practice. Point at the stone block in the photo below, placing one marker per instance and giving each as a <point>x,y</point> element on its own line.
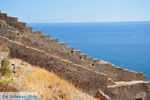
<point>63,44</point>
<point>102,96</point>
<point>70,49</point>
<point>77,52</point>
<point>22,24</point>
<point>3,16</point>
<point>14,19</point>
<point>29,29</point>
<point>96,60</point>
<point>47,36</point>
<point>89,59</point>
<point>149,87</point>
<point>37,33</point>
<point>54,40</point>
<point>0,26</point>
<point>83,56</point>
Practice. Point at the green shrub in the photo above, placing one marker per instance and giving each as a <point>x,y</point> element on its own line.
<point>6,81</point>
<point>22,63</point>
<point>5,70</point>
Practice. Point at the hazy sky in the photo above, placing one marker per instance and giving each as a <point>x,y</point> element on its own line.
<point>77,10</point>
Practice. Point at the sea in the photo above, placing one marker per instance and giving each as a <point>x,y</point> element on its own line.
<point>125,44</point>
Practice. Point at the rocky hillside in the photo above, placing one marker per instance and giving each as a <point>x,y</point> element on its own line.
<point>25,77</point>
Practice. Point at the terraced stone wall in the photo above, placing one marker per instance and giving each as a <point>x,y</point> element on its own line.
<point>11,28</point>
<point>86,79</point>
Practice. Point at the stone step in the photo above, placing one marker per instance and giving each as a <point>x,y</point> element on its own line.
<point>102,96</point>
<point>54,40</point>
<point>63,44</point>
<point>70,49</point>
<point>14,19</point>
<point>37,33</point>
<point>22,24</point>
<point>77,52</point>
<point>3,16</point>
<point>45,37</point>
<point>83,56</point>
<point>96,60</point>
<point>29,29</point>
<point>89,59</point>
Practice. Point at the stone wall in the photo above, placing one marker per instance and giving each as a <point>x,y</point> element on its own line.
<point>102,96</point>
<point>86,79</point>
<point>118,73</point>
<point>136,90</point>
<point>17,31</point>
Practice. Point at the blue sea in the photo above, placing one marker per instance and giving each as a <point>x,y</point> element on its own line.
<point>125,44</point>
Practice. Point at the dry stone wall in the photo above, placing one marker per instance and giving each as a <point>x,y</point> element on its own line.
<point>81,77</point>
<point>132,91</point>
<point>17,31</point>
<point>102,96</point>
<point>117,73</point>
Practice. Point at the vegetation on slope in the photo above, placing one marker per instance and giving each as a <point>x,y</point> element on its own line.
<point>28,78</point>
<point>4,48</point>
<point>5,70</point>
<point>52,87</point>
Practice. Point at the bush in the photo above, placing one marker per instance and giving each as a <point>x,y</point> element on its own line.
<point>5,70</point>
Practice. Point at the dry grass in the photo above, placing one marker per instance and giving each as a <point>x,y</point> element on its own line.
<point>6,81</point>
<point>7,88</point>
<point>50,87</point>
<point>4,48</point>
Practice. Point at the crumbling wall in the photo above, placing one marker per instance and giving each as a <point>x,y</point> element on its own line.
<point>102,96</point>
<point>118,73</point>
<point>131,91</point>
<point>17,31</point>
<point>86,79</point>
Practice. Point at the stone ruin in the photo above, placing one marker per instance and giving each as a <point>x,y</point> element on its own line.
<point>94,76</point>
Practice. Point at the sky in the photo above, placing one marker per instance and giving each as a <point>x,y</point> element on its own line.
<point>61,11</point>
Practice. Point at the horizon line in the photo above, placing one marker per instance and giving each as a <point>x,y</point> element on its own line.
<point>90,22</point>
